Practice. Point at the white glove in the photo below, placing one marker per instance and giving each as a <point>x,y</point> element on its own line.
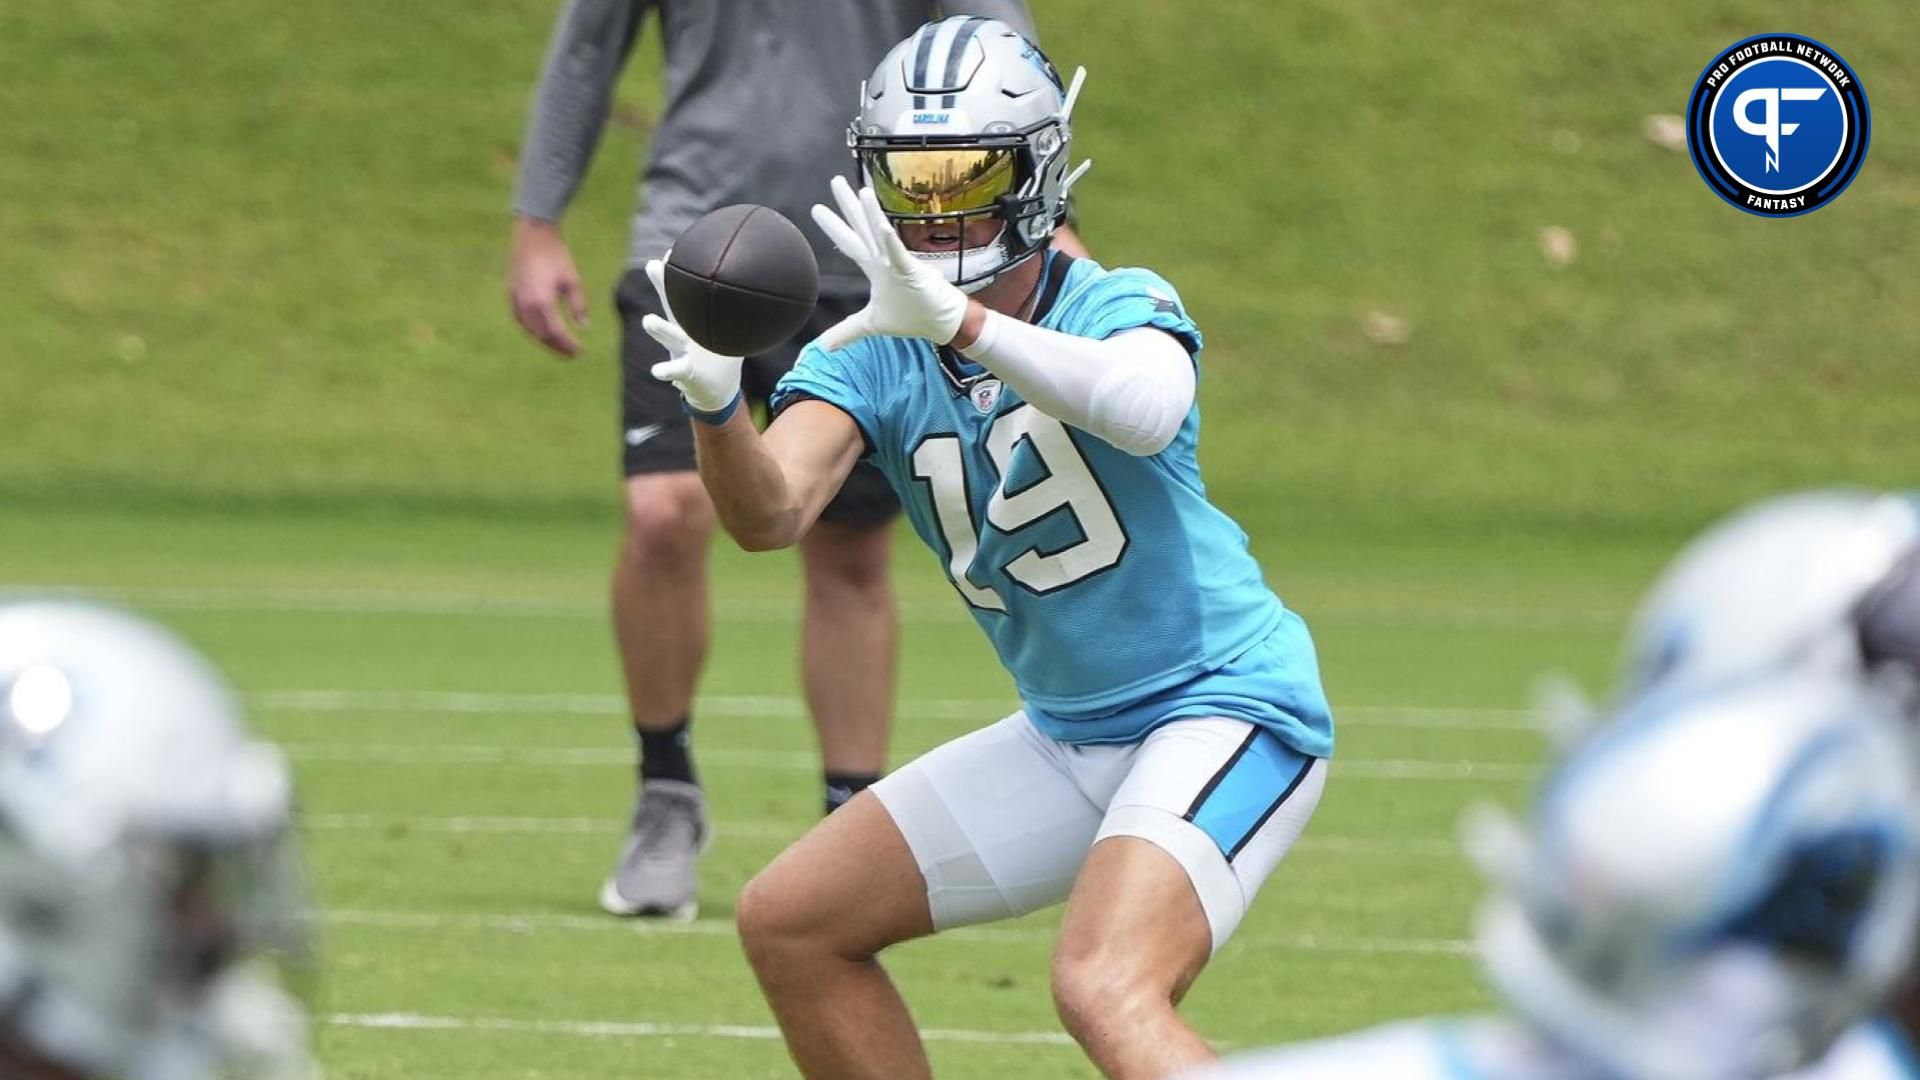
<point>909,299</point>
<point>706,379</point>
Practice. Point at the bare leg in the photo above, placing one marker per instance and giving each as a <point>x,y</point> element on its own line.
<point>812,924</point>
<point>849,646</point>
<point>1133,940</point>
<point>660,595</point>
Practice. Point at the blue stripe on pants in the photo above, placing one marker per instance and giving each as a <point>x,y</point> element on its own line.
<point>1257,781</point>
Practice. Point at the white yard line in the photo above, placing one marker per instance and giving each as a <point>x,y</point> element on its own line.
<point>556,756</point>
<point>526,826</point>
<point>367,601</point>
<point>531,923</point>
<point>397,754</point>
<point>525,924</point>
<point>457,702</point>
<point>362,601</point>
<point>641,1029</point>
<point>765,830</point>
<point>749,706</point>
<point>1409,769</point>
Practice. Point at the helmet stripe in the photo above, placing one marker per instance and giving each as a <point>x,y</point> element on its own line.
<point>956,52</point>
<point>922,53</point>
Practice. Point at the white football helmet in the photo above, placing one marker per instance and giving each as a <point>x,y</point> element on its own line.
<point>966,119</point>
<point>146,873</point>
<point>1717,883</point>
<point>1829,579</point>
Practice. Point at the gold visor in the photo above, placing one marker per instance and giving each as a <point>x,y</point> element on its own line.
<point>944,180</point>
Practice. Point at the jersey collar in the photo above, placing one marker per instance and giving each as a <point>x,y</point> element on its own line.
<point>963,373</point>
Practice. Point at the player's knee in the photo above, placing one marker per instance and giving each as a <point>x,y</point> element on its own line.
<point>757,920</point>
<point>1093,985</point>
<point>773,922</point>
<point>1079,986</point>
<point>669,520</point>
<point>784,922</point>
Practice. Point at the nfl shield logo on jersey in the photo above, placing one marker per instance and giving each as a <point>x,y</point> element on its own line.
<point>986,395</point>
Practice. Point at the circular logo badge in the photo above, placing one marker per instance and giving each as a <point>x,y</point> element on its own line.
<point>1778,125</point>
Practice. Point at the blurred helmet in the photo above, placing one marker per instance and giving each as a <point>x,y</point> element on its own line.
<point>146,875</point>
<point>966,120</point>
<point>1717,883</point>
<point>1829,579</point>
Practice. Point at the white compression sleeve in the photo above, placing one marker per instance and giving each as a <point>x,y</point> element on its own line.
<point>1132,390</point>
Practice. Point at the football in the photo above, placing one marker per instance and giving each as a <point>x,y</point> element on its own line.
<point>742,279</point>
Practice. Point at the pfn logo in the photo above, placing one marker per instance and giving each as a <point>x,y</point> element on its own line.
<point>1771,128</point>
<point>1778,125</point>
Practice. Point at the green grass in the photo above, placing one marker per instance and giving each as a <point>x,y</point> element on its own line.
<point>456,854</point>
<point>257,377</point>
<point>256,252</point>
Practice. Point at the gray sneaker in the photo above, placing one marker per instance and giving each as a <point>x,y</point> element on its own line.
<point>656,876</point>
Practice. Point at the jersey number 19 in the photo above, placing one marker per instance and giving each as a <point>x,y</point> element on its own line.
<point>1069,485</point>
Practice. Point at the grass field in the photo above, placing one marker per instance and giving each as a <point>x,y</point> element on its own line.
<point>446,689</point>
<point>256,253</point>
<point>257,378</point>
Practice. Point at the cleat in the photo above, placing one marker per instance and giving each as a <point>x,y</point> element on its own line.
<point>656,876</point>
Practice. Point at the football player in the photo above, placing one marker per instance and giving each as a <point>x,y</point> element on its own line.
<point>752,106</point>
<point>1820,585</point>
<point>1035,414</point>
<point>1717,885</point>
<point>1828,580</point>
<point>146,879</point>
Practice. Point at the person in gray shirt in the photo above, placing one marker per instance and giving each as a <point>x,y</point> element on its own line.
<point>757,104</point>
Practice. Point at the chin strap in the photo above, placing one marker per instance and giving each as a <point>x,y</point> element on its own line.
<point>949,264</point>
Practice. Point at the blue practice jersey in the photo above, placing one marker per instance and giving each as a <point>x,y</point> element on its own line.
<point>1116,594</point>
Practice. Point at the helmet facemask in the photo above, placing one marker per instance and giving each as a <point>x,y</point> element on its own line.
<point>147,944</point>
<point>150,900</point>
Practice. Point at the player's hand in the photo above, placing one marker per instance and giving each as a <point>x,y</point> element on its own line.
<point>706,379</point>
<point>909,299</point>
<point>540,278</point>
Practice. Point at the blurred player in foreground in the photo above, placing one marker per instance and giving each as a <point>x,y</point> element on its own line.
<point>1714,887</point>
<point>1798,593</point>
<point>1035,413</point>
<point>1825,580</point>
<point>146,882</point>
<point>756,98</point>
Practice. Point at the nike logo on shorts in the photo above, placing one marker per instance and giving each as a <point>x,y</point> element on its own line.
<point>639,435</point>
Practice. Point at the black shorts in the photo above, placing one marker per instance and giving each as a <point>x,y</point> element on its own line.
<point>656,435</point>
